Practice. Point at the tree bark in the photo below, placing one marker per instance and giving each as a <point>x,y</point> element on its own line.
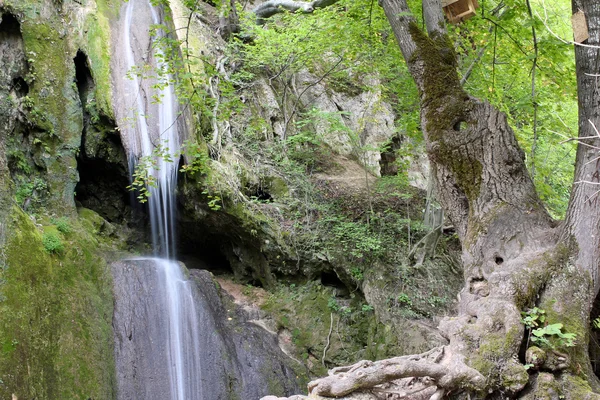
<point>583,216</point>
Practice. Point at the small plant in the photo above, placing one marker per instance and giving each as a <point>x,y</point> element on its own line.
<point>436,301</point>
<point>333,305</point>
<point>52,243</point>
<point>533,317</point>
<point>199,159</point>
<point>30,193</point>
<point>62,224</point>
<point>542,334</point>
<point>213,201</point>
<point>403,299</point>
<point>596,323</point>
<point>367,308</point>
<point>357,274</point>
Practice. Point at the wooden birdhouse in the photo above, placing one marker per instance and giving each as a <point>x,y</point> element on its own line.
<point>459,10</point>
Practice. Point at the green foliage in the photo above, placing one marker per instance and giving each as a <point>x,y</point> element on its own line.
<point>543,334</point>
<point>533,318</point>
<point>332,304</point>
<point>198,159</point>
<point>144,174</point>
<point>18,160</point>
<point>30,192</point>
<point>62,225</point>
<point>213,201</point>
<point>52,243</point>
<point>305,311</point>
<point>355,238</point>
<point>403,299</point>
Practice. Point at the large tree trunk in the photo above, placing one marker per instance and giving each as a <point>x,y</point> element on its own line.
<point>515,256</point>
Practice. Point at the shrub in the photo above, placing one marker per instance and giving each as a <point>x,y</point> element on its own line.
<point>52,243</point>
<point>62,224</point>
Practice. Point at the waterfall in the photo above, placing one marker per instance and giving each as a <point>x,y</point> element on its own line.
<point>144,140</point>
<point>151,126</point>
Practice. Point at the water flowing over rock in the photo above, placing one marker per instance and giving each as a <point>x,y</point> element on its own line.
<point>232,357</point>
<point>147,112</point>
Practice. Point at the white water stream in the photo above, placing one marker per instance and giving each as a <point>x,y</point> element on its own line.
<point>144,133</point>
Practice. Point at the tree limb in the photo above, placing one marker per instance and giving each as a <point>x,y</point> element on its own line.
<point>271,7</point>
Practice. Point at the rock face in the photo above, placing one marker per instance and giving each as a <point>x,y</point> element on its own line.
<point>238,360</point>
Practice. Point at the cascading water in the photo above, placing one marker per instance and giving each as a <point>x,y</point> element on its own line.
<point>146,134</point>
<point>144,141</point>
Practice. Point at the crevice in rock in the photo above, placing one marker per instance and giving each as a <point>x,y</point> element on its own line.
<point>19,87</point>
<point>258,193</point>
<point>23,156</point>
<point>387,163</point>
<point>101,162</point>
<point>594,346</point>
<point>83,77</point>
<point>479,286</point>
<point>9,27</point>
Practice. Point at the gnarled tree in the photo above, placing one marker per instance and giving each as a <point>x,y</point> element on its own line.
<point>515,255</point>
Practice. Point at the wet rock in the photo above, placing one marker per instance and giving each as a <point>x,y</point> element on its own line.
<point>238,359</point>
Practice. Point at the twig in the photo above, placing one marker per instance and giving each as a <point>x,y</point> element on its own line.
<point>569,42</point>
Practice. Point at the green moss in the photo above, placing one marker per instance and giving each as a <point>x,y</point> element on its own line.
<point>55,330</point>
<point>577,388</point>
<point>443,99</point>
<point>277,187</point>
<point>98,51</point>
<point>490,358</point>
<point>445,105</point>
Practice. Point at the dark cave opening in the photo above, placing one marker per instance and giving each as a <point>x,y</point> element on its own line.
<point>9,26</point>
<point>594,345</point>
<point>12,54</point>
<point>20,87</point>
<point>102,187</point>
<point>101,161</point>
<point>203,252</point>
<point>330,278</point>
<point>83,77</point>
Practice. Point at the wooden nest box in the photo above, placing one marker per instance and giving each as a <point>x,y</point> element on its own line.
<point>459,10</point>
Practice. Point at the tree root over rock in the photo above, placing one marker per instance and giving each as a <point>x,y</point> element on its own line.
<point>446,369</point>
<point>425,376</point>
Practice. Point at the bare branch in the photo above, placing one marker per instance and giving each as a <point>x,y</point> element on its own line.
<point>271,7</point>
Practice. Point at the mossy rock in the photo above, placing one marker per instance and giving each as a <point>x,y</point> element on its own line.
<point>56,307</point>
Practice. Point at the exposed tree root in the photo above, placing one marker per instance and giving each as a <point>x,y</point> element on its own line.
<point>447,370</point>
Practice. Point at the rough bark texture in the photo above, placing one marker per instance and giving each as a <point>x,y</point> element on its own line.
<point>514,255</point>
<point>583,218</point>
